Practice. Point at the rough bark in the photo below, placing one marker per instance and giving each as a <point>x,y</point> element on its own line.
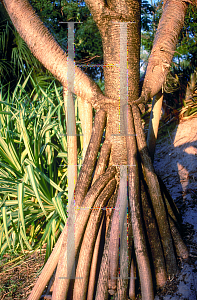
<point>102,160</point>
<point>85,176</point>
<point>113,256</point>
<point>154,240</point>
<point>155,194</point>
<point>132,291</point>
<point>111,17</point>
<point>95,262</point>
<point>68,254</point>
<point>118,250</point>
<point>86,251</point>
<point>102,286</point>
<point>111,20</point>
<point>166,38</point>
<point>181,248</point>
<point>170,204</point>
<point>137,223</point>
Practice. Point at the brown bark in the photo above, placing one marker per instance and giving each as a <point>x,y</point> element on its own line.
<point>110,20</point>
<point>81,220</point>
<point>102,160</point>
<point>136,216</point>
<point>87,247</point>
<point>170,25</point>
<point>94,263</point>
<point>132,291</point>
<point>154,240</point>
<point>111,17</point>
<point>181,248</point>
<point>171,206</point>
<point>102,287</point>
<point>87,168</point>
<point>118,240</point>
<point>48,269</point>
<point>65,263</point>
<point>155,194</point>
<point>113,256</point>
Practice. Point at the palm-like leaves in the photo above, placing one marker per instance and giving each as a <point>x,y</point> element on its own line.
<point>33,167</point>
<point>16,58</point>
<point>190,102</point>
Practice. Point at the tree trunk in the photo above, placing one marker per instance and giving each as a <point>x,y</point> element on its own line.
<point>114,33</point>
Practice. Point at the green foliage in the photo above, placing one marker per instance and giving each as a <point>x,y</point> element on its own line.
<point>55,15</point>
<point>88,44</point>
<point>16,59</point>
<point>185,56</point>
<point>147,12</point>
<point>190,102</point>
<point>187,47</point>
<point>151,14</point>
<point>33,167</point>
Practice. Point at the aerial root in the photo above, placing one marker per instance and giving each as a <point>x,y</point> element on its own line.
<point>95,261</point>
<point>153,239</point>
<point>140,244</point>
<point>153,221</point>
<point>170,204</point>
<point>180,246</point>
<point>113,256</point>
<point>132,291</point>
<point>85,176</point>
<point>102,160</point>
<point>87,247</point>
<point>155,195</point>
<point>69,250</point>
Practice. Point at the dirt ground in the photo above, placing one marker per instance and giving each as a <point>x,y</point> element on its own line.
<point>17,282</point>
<point>176,163</point>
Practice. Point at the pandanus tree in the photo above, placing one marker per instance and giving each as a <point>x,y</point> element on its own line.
<point>122,226</point>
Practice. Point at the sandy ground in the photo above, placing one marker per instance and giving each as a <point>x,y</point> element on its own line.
<point>176,163</point>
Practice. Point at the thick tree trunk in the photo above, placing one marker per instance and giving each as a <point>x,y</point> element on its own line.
<point>115,33</point>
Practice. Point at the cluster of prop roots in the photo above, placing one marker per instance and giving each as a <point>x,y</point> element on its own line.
<point>122,235</point>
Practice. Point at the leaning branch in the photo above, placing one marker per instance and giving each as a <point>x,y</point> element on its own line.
<point>170,25</point>
<point>47,50</point>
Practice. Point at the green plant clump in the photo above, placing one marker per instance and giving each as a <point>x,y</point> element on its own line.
<point>33,167</point>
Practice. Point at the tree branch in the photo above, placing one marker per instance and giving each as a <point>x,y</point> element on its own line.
<point>96,7</point>
<point>47,50</point>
